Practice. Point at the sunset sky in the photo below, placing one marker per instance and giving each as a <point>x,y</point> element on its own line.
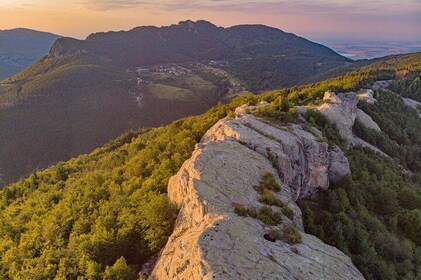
<point>380,19</point>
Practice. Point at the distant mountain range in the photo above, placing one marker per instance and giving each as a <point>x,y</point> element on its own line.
<point>293,59</point>
<point>21,47</point>
<point>86,92</point>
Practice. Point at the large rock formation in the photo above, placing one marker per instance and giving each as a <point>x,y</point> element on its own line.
<point>303,163</point>
<point>65,46</point>
<point>366,120</point>
<point>342,110</point>
<point>210,241</point>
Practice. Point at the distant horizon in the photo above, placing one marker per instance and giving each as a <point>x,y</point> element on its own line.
<point>350,45</point>
<point>390,20</point>
<point>322,36</point>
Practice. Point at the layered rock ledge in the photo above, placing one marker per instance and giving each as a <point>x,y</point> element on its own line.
<point>210,241</point>
<point>342,110</point>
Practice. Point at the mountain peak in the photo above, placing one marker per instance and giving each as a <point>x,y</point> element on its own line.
<point>188,22</point>
<point>198,23</point>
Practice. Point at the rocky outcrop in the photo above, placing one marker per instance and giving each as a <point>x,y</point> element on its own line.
<point>65,46</point>
<point>411,103</point>
<point>342,110</point>
<point>210,241</point>
<point>366,120</point>
<point>303,163</point>
<point>56,49</point>
<point>380,85</point>
<point>366,95</point>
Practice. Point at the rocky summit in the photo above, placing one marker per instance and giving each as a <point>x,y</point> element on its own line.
<point>212,240</point>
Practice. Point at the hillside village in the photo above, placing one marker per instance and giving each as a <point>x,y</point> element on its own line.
<point>175,69</point>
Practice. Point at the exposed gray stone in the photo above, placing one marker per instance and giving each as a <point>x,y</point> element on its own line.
<point>302,161</point>
<point>366,95</point>
<point>413,104</point>
<point>342,110</point>
<point>210,241</point>
<point>366,120</point>
<point>380,85</point>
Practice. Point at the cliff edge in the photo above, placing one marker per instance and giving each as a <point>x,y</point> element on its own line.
<point>230,226</point>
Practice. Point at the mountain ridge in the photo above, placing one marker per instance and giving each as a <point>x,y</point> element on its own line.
<point>27,30</point>
<point>21,47</point>
<point>212,239</point>
<point>209,36</point>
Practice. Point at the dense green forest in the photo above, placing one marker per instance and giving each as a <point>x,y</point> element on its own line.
<point>401,129</point>
<point>408,86</point>
<point>104,214</point>
<point>79,217</point>
<point>374,215</point>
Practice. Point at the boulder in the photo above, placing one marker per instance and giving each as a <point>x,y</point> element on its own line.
<point>380,85</point>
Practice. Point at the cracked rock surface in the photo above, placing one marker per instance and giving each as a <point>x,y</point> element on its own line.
<point>210,241</point>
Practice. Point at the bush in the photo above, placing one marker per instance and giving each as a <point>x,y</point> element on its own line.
<point>240,210</point>
<point>267,182</point>
<point>291,235</point>
<point>273,235</point>
<point>269,217</point>
<point>268,198</point>
<point>264,214</point>
<point>288,212</point>
<point>119,271</point>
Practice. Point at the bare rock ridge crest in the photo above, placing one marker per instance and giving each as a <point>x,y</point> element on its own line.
<point>210,241</point>
<point>342,110</point>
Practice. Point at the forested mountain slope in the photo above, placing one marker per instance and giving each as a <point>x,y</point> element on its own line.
<point>188,41</point>
<point>87,92</point>
<point>106,213</point>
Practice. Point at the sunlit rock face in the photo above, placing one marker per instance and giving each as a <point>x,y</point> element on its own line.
<point>210,241</point>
